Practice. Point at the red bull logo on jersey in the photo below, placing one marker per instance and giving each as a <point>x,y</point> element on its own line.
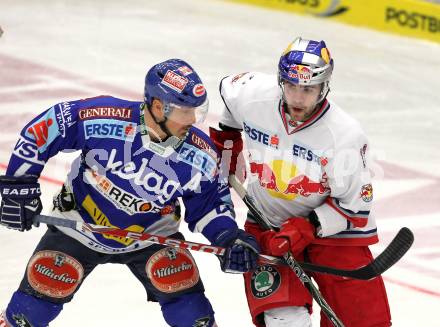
<point>282,180</point>
<point>367,192</point>
<point>44,131</point>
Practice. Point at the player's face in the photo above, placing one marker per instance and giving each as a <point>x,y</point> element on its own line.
<point>181,120</point>
<point>301,100</point>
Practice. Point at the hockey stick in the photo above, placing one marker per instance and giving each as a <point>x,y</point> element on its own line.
<point>288,257</point>
<point>397,248</point>
<point>168,241</point>
<point>394,251</point>
<point>387,258</point>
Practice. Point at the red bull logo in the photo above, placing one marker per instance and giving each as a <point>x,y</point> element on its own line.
<point>281,180</point>
<point>265,174</point>
<point>305,74</point>
<point>302,185</point>
<point>367,192</point>
<point>300,72</point>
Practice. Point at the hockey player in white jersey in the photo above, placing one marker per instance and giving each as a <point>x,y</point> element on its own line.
<point>309,173</point>
<point>138,159</point>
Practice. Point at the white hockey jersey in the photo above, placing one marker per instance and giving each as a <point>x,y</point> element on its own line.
<point>320,164</point>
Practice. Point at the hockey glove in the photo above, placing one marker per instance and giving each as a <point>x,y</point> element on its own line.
<point>20,201</point>
<point>230,140</point>
<point>295,234</point>
<point>241,251</point>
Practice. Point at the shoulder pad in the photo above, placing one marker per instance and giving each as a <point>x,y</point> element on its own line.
<point>233,83</point>
<point>241,78</point>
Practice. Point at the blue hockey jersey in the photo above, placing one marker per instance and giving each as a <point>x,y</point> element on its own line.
<point>122,181</point>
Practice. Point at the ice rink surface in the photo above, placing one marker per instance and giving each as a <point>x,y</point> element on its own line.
<point>53,51</point>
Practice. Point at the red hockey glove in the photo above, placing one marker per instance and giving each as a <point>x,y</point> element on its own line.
<point>220,139</point>
<point>295,234</point>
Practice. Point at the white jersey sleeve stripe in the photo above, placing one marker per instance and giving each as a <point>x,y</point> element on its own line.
<point>209,217</point>
<point>358,219</point>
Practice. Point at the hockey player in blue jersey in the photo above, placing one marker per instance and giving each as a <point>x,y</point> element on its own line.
<point>137,160</point>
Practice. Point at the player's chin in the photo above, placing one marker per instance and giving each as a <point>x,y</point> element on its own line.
<point>183,132</point>
<point>297,113</point>
<point>297,110</point>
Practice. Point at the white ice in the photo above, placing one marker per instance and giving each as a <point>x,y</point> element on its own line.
<point>63,50</point>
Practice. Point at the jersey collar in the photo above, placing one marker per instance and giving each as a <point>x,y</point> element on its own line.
<point>293,126</point>
<point>163,149</point>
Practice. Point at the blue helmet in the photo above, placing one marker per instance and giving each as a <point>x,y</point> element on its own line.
<point>174,81</point>
<point>306,62</point>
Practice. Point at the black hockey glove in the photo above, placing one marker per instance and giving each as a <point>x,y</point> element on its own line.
<point>20,201</point>
<point>241,251</point>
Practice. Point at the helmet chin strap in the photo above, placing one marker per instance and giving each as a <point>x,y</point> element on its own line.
<point>164,127</point>
<point>319,103</point>
<point>323,97</point>
<point>161,124</point>
<point>163,147</point>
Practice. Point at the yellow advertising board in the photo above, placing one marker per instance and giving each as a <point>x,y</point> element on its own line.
<point>415,18</point>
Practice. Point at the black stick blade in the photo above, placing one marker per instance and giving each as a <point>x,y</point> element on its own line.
<point>400,244</point>
<point>394,251</point>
